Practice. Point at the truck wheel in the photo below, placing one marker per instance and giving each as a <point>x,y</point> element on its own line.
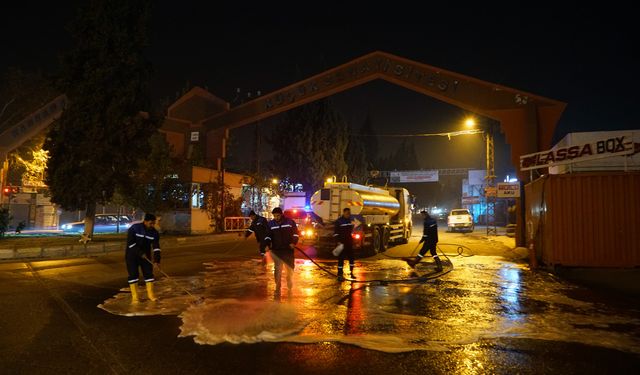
<point>376,241</point>
<point>384,244</point>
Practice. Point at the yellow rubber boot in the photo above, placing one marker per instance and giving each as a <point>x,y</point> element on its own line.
<point>150,294</point>
<point>134,293</point>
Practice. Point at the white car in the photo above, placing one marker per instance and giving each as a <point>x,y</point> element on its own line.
<point>460,219</point>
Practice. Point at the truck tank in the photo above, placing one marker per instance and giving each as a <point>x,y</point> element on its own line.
<point>329,201</point>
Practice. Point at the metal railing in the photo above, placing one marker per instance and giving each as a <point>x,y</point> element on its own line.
<point>236,223</point>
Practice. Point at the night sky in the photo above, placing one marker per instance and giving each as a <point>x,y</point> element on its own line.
<point>579,55</point>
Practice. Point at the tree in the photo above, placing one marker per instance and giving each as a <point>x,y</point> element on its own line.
<point>356,158</point>
<point>403,158</point>
<point>97,143</point>
<point>211,204</point>
<point>310,144</point>
<point>371,147</point>
<point>156,186</point>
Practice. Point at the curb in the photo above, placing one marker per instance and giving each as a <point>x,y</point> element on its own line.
<point>80,250</point>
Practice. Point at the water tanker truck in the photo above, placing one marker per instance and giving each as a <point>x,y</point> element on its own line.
<point>382,215</point>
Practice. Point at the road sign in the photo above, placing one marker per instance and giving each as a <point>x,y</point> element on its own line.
<point>490,191</point>
<point>508,190</point>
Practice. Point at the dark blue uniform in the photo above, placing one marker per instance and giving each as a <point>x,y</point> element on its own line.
<point>279,236</point>
<point>258,227</point>
<point>429,238</point>
<point>342,230</point>
<point>140,242</point>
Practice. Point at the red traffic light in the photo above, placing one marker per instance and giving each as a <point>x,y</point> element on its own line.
<point>8,190</point>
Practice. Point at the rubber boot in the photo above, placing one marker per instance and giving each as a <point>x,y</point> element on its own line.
<point>412,262</point>
<point>351,274</point>
<point>134,293</point>
<point>340,277</point>
<point>150,294</point>
<point>438,265</point>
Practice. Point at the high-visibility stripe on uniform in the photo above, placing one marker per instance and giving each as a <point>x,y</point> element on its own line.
<point>149,238</point>
<point>267,238</point>
<point>285,226</point>
<point>148,280</point>
<point>250,230</point>
<point>132,245</point>
<point>139,235</point>
<point>133,281</point>
<point>157,250</point>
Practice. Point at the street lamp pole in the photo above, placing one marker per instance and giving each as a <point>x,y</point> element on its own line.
<point>491,197</point>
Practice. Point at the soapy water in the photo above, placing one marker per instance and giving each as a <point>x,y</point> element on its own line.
<point>483,298</point>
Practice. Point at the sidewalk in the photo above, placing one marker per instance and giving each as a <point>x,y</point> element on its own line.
<point>71,247</point>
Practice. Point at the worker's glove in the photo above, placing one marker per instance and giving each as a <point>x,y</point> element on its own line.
<point>156,257</point>
<point>422,239</point>
<point>263,253</point>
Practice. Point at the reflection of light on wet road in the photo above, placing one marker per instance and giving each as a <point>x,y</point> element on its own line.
<point>510,294</point>
<point>484,297</point>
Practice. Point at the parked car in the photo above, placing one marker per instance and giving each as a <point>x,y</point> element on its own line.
<point>460,219</point>
<point>105,223</point>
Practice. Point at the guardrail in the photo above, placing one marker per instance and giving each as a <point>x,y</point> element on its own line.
<point>236,223</point>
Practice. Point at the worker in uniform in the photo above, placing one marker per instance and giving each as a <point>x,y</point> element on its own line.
<point>429,240</point>
<point>142,240</point>
<point>258,228</point>
<point>343,228</point>
<point>281,238</point>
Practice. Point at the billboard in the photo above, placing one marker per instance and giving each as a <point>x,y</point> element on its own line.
<point>477,176</point>
<point>414,176</point>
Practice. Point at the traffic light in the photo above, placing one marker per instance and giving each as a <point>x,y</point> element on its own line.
<point>10,190</point>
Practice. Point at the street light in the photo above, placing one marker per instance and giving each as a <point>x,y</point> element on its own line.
<point>490,216</point>
<point>275,181</point>
<point>470,122</point>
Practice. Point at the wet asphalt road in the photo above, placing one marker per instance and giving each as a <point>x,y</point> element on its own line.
<point>488,315</point>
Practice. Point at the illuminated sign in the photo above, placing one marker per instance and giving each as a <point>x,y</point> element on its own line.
<point>572,154</point>
<point>508,190</point>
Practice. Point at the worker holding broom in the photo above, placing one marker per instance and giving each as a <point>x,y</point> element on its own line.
<point>142,239</point>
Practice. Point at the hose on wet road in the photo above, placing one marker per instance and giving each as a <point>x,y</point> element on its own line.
<point>421,278</point>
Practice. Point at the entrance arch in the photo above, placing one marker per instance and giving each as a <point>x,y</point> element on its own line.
<point>528,120</point>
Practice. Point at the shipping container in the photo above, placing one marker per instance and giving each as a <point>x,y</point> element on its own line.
<point>585,219</point>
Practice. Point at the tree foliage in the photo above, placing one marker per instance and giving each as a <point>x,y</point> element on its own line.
<point>97,143</point>
<point>310,144</point>
<point>404,157</point>
<point>212,193</point>
<point>371,145</point>
<point>356,158</point>
<point>156,187</point>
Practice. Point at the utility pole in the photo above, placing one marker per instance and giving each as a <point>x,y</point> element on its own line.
<point>490,192</point>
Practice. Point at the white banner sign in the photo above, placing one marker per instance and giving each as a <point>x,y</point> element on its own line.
<point>508,190</point>
<point>414,176</point>
<point>618,145</point>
